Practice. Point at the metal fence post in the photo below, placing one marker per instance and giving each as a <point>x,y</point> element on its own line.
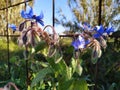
<point>96,67</point>
<point>7,38</point>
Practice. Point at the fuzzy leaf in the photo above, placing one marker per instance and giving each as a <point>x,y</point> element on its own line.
<point>61,68</point>
<point>66,85</point>
<point>79,69</point>
<point>74,84</point>
<point>40,76</point>
<point>80,85</point>
<point>73,64</point>
<point>40,46</point>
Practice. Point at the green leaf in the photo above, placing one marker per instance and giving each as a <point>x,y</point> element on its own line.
<point>58,57</point>
<point>74,84</point>
<point>79,69</point>
<point>69,73</point>
<point>74,65</point>
<point>80,85</point>
<point>61,68</point>
<point>65,85</point>
<point>40,76</point>
<point>40,46</point>
<point>54,66</point>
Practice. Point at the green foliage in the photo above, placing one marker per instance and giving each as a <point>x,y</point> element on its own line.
<point>74,84</point>
<point>64,75</point>
<point>18,75</point>
<point>40,76</point>
<point>40,46</point>
<point>67,74</point>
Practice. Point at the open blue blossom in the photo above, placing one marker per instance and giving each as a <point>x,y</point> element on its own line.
<point>80,43</point>
<point>39,18</point>
<point>76,44</point>
<point>99,31</point>
<point>28,14</point>
<point>13,27</point>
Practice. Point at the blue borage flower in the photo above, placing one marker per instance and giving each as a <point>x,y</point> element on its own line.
<point>13,27</point>
<point>32,34</point>
<point>99,31</point>
<point>92,38</point>
<point>80,43</point>
<point>28,14</point>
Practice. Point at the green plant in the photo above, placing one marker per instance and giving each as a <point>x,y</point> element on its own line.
<point>61,76</point>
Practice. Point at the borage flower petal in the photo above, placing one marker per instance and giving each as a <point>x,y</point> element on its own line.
<point>99,31</point>
<point>28,14</point>
<point>39,18</point>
